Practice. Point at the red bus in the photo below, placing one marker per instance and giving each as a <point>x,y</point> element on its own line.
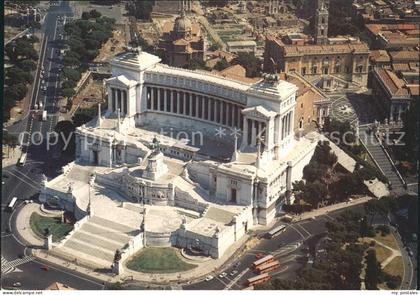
<point>258,279</point>
<point>265,259</point>
<point>267,267</point>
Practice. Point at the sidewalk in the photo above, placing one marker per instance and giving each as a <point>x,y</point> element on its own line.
<point>23,225</point>
<point>13,157</point>
<point>327,209</point>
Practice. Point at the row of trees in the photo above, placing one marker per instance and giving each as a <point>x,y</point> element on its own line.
<point>347,141</point>
<point>22,60</point>
<point>85,37</point>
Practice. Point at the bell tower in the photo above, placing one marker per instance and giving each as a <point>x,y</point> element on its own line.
<point>321,22</point>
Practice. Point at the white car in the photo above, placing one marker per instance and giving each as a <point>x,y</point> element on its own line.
<point>17,284</point>
<point>222,275</point>
<point>233,272</point>
<point>209,278</point>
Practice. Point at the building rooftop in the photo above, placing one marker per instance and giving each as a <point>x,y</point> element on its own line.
<point>394,85</point>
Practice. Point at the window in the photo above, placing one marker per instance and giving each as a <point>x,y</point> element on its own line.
<point>314,69</point>
<point>347,70</point>
<point>359,69</point>
<point>325,71</point>
<point>301,105</point>
<point>337,69</point>
<point>303,71</point>
<point>322,31</point>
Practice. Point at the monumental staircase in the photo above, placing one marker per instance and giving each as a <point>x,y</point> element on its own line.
<point>94,244</point>
<point>381,159</point>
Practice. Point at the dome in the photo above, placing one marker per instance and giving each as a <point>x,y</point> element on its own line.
<point>182,24</point>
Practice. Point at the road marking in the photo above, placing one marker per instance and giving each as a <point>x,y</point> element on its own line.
<point>21,181</point>
<point>217,277</point>
<point>237,278</point>
<point>292,226</point>
<point>6,267</point>
<point>24,175</point>
<point>304,229</point>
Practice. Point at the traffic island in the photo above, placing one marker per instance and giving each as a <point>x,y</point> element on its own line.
<point>159,260</point>
<point>41,225</point>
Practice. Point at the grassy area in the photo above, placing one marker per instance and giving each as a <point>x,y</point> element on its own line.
<point>158,260</point>
<point>40,223</point>
<point>395,267</point>
<point>388,240</point>
<point>382,253</point>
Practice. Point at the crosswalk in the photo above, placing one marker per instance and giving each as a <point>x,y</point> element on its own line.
<point>10,266</point>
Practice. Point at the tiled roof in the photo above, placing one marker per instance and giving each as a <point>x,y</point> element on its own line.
<point>404,55</point>
<point>379,56</point>
<point>395,85</point>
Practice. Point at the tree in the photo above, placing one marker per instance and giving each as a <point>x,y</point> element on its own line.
<point>221,65</point>
<point>15,92</point>
<point>250,62</point>
<point>314,193</point>
<point>66,129</point>
<point>94,13</point>
<point>27,65</point>
<point>81,118</point>
<point>140,9</point>
<point>196,64</point>
<point>68,92</point>
<point>16,76</point>
<point>373,271</point>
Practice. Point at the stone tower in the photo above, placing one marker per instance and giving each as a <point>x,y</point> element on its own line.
<point>321,22</point>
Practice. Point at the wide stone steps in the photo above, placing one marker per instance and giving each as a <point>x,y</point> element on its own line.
<point>80,258</point>
<point>106,233</point>
<point>95,243</point>
<point>90,250</point>
<point>381,158</point>
<point>112,225</point>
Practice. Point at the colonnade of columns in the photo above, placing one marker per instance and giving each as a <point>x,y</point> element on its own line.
<point>396,112</point>
<point>118,100</point>
<point>253,130</point>
<point>194,105</point>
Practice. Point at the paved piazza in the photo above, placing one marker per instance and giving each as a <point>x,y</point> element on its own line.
<point>180,158</point>
<point>353,106</point>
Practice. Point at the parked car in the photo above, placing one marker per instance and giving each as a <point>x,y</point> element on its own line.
<point>233,272</point>
<point>222,275</point>
<point>209,278</point>
<point>17,284</point>
<point>237,264</point>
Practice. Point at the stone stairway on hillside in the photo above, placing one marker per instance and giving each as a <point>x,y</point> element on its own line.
<point>95,243</point>
<point>373,146</point>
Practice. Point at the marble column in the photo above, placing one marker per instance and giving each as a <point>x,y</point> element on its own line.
<point>254,133</point>
<point>165,100</point>
<point>184,97</point>
<point>203,109</point>
<point>171,97</point>
<point>152,98</point>
<point>113,99</point>
<point>158,98</point>
<point>215,110</point>
<point>245,133</point>
<point>118,99</point>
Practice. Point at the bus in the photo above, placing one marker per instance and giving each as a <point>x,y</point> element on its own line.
<point>265,259</point>
<point>22,160</point>
<point>267,267</point>
<point>12,204</point>
<point>275,231</point>
<point>258,279</point>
